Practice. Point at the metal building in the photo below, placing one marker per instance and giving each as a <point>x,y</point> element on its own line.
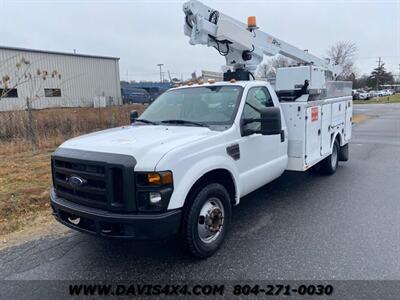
<point>57,79</point>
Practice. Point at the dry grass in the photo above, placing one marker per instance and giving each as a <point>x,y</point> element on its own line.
<point>53,126</point>
<point>24,184</point>
<point>380,100</point>
<point>25,178</point>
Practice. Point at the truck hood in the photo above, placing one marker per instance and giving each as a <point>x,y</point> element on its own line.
<point>146,143</point>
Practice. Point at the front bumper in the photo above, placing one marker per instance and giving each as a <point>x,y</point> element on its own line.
<point>115,225</point>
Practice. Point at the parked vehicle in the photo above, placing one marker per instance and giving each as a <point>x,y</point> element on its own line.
<point>362,95</point>
<point>375,94</point>
<point>189,158</point>
<point>181,166</point>
<point>387,92</point>
<point>391,91</point>
<point>355,94</point>
<point>133,95</point>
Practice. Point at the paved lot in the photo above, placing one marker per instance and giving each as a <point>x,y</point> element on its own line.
<point>302,226</point>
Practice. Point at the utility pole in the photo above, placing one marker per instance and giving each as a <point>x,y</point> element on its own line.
<point>377,77</point>
<point>399,75</point>
<point>160,65</point>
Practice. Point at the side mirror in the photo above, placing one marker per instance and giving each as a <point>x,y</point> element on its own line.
<point>133,116</point>
<point>270,122</point>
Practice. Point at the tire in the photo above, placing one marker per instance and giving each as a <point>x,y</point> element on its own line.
<point>206,220</point>
<point>344,153</point>
<point>330,164</point>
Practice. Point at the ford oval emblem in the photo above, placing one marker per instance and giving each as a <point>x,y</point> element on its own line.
<point>76,181</point>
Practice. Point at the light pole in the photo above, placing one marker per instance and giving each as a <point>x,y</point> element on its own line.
<point>160,65</point>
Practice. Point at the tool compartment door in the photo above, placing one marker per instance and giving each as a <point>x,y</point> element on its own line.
<point>349,120</point>
<point>326,120</point>
<point>313,134</point>
<point>338,113</point>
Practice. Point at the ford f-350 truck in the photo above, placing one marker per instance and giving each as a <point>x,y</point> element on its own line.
<point>182,165</point>
<point>198,149</point>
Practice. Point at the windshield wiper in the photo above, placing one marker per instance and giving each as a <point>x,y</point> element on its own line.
<point>184,122</point>
<point>147,121</point>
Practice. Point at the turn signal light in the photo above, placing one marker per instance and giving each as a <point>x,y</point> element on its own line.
<point>154,178</point>
<point>159,178</point>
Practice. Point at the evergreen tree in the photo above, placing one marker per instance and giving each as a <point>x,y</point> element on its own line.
<point>379,76</point>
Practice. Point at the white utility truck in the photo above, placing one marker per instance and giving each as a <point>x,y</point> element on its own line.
<point>198,149</point>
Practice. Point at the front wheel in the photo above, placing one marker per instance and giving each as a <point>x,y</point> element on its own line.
<point>206,220</point>
<point>330,164</point>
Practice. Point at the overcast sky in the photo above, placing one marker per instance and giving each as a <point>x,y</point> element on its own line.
<point>144,33</point>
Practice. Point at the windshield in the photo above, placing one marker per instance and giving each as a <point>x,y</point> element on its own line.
<point>206,105</point>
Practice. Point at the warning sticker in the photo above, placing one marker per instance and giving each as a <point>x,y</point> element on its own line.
<point>314,114</point>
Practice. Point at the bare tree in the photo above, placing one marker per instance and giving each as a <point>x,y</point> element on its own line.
<point>343,53</point>
<point>21,74</point>
<point>267,69</point>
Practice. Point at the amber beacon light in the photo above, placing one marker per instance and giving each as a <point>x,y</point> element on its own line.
<point>252,22</point>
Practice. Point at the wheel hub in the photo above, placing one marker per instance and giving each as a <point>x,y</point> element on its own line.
<point>214,220</point>
<point>210,220</point>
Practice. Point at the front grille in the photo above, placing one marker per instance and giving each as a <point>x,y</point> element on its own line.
<point>92,192</point>
<point>106,183</point>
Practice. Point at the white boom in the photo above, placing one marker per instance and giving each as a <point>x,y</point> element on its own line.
<point>242,46</point>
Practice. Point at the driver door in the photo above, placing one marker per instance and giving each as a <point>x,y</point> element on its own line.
<point>260,155</point>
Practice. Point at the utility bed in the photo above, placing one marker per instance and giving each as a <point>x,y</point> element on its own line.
<point>311,127</point>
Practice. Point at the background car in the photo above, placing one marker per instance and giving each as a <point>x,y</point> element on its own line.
<point>374,94</point>
<point>390,92</point>
<point>134,95</point>
<point>362,95</point>
<point>354,94</point>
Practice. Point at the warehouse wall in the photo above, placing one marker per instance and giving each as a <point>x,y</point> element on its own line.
<point>82,79</point>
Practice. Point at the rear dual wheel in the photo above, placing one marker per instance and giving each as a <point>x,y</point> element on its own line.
<point>329,165</point>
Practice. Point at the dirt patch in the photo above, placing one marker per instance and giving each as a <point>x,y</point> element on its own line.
<point>360,118</point>
<point>43,225</point>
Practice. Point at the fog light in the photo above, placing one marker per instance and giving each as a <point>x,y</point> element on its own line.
<point>154,197</point>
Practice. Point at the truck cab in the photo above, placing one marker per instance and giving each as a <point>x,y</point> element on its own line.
<point>180,167</point>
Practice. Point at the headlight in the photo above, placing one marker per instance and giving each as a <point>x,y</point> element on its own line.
<point>153,190</point>
<point>155,197</point>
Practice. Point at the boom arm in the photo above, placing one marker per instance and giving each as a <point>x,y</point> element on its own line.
<point>242,46</point>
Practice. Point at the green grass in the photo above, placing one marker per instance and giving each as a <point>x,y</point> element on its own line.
<point>387,99</point>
